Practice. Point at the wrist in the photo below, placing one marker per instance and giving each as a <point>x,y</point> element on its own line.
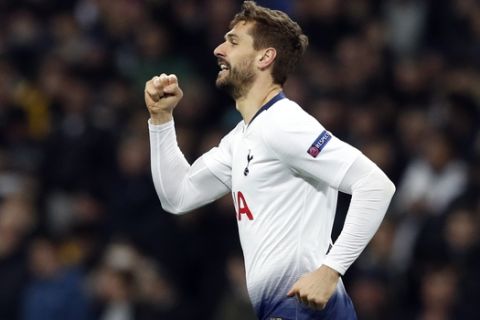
<point>160,118</point>
<point>330,271</point>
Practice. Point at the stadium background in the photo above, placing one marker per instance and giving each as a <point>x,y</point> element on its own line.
<point>82,233</point>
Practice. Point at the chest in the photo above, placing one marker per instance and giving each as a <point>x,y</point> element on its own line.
<point>255,167</point>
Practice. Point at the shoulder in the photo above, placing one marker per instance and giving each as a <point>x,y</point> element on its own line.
<point>230,136</point>
<point>287,119</point>
<point>237,129</point>
<point>223,151</point>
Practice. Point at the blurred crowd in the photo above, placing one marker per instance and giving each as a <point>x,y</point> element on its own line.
<point>82,232</point>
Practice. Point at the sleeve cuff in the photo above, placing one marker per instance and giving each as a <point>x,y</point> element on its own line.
<point>334,265</point>
<point>160,127</point>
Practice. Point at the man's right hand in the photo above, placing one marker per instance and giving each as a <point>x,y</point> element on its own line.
<point>162,94</point>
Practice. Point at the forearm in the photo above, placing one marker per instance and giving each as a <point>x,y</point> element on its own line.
<point>180,187</point>
<point>371,192</point>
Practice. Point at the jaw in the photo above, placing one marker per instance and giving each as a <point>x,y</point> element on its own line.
<point>222,77</point>
<point>237,81</point>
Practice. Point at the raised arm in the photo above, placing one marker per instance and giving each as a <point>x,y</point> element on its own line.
<point>180,187</point>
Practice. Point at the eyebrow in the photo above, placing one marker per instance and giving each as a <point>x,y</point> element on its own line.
<point>231,36</point>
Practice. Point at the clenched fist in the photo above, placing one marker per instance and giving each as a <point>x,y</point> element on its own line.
<point>162,94</point>
<point>314,289</point>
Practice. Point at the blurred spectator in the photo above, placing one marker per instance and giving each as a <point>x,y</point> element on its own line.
<point>406,21</point>
<point>115,290</point>
<point>459,245</point>
<point>434,179</point>
<point>430,183</point>
<point>128,286</point>
<point>235,303</point>
<point>16,224</point>
<point>371,294</point>
<point>55,292</point>
<point>439,294</point>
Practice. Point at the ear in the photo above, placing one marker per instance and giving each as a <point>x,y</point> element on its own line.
<point>267,58</point>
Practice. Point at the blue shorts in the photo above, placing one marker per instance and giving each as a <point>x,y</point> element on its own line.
<point>339,307</point>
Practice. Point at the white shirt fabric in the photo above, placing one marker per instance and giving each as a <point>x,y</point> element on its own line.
<point>285,193</point>
<point>436,188</point>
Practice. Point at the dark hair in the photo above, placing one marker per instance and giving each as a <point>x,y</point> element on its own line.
<point>273,28</point>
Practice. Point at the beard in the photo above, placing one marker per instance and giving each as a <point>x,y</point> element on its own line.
<point>238,80</point>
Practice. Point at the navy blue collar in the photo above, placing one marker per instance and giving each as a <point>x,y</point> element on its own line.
<point>267,105</point>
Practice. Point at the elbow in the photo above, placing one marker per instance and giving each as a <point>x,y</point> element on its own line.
<point>389,191</point>
<point>390,188</point>
<point>171,209</point>
<point>384,186</point>
<point>170,203</point>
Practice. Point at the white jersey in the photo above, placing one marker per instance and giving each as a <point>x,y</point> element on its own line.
<point>284,170</point>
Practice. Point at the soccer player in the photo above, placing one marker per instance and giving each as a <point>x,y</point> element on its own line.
<point>283,169</point>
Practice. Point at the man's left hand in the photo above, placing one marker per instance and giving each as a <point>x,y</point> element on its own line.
<point>314,289</point>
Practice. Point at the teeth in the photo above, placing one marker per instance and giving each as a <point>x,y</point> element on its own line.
<point>223,67</point>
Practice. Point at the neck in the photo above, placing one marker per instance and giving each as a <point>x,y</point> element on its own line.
<point>255,98</point>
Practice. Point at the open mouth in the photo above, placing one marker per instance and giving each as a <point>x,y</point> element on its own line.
<point>224,66</point>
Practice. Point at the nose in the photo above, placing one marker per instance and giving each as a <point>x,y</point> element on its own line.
<point>219,50</point>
